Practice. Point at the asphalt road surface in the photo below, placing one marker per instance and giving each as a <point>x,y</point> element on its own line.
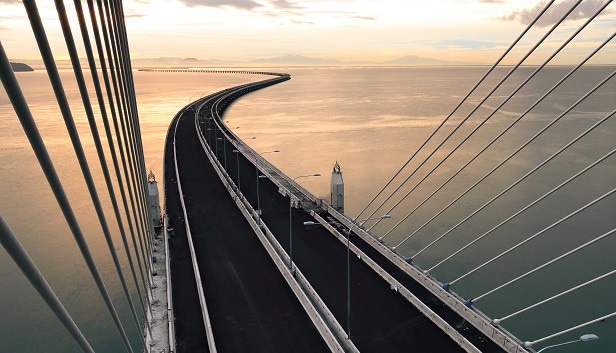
<point>381,319</point>
<point>251,306</point>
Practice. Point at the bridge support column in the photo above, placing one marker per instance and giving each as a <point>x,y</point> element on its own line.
<point>337,189</point>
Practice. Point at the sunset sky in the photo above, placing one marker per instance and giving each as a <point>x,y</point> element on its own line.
<point>345,30</point>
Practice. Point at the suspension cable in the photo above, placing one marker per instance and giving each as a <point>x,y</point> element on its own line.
<point>492,68</point>
<point>54,76</point>
<point>605,317</point>
<point>504,161</point>
<point>121,90</point>
<point>7,237</point>
<point>597,162</point>
<point>605,235</point>
<point>122,143</point>
<point>511,95</point>
<point>74,56</point>
<point>498,321</point>
<point>452,132</point>
<point>536,235</point>
<point>103,110</point>
<point>508,128</point>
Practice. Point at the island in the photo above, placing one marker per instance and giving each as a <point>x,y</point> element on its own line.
<point>21,67</point>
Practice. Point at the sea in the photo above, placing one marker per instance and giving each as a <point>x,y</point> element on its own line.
<point>369,120</point>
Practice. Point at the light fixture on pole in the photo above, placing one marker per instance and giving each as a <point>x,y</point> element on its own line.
<point>360,223</point>
<point>290,224</point>
<point>312,223</point>
<point>258,176</point>
<point>584,338</point>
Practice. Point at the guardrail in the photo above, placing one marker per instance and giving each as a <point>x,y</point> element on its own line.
<point>204,311</point>
<point>321,316</point>
<point>398,287</point>
<point>312,294</point>
<point>170,313</point>
<point>482,322</point>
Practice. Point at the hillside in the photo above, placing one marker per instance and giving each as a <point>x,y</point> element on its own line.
<point>20,67</point>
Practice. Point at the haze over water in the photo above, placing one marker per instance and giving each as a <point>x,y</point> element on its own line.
<point>370,120</point>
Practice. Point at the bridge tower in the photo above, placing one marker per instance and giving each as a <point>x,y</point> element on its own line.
<point>337,189</point>
<point>153,202</point>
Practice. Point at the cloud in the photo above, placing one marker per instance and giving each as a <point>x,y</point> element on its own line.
<point>273,8</point>
<point>297,22</point>
<point>134,15</point>
<point>238,4</point>
<point>367,18</point>
<point>285,5</point>
<point>281,14</point>
<point>460,43</point>
<point>556,12</point>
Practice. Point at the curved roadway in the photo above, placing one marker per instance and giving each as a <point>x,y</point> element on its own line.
<point>252,309</point>
<point>241,282</point>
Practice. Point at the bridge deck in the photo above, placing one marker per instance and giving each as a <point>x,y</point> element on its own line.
<point>240,278</point>
<point>382,321</point>
<point>251,307</point>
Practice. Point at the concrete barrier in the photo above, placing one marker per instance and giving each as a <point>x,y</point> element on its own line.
<point>204,311</point>
<point>407,294</point>
<point>329,328</point>
<point>482,322</point>
<point>498,335</point>
<point>170,314</point>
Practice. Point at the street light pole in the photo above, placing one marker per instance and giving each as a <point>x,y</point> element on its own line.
<point>584,338</point>
<point>239,185</point>
<point>257,170</point>
<point>224,149</point>
<point>208,126</point>
<point>290,224</point>
<point>201,118</point>
<point>216,142</point>
<point>348,239</point>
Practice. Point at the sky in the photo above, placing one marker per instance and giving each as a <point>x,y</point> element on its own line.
<point>344,30</point>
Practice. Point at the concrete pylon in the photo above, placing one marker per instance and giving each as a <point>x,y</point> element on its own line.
<point>337,189</point>
<point>153,202</point>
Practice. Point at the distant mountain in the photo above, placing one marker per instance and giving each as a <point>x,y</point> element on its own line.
<point>291,60</point>
<point>418,60</point>
<point>296,60</point>
<point>409,60</point>
<point>195,61</point>
<point>21,67</point>
<point>177,62</point>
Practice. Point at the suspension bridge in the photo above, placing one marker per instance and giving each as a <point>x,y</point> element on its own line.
<point>486,224</point>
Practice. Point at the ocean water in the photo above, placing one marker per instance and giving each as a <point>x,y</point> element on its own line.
<point>30,209</point>
<point>369,120</point>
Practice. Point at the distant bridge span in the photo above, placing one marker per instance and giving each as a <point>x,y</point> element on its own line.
<point>212,71</point>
